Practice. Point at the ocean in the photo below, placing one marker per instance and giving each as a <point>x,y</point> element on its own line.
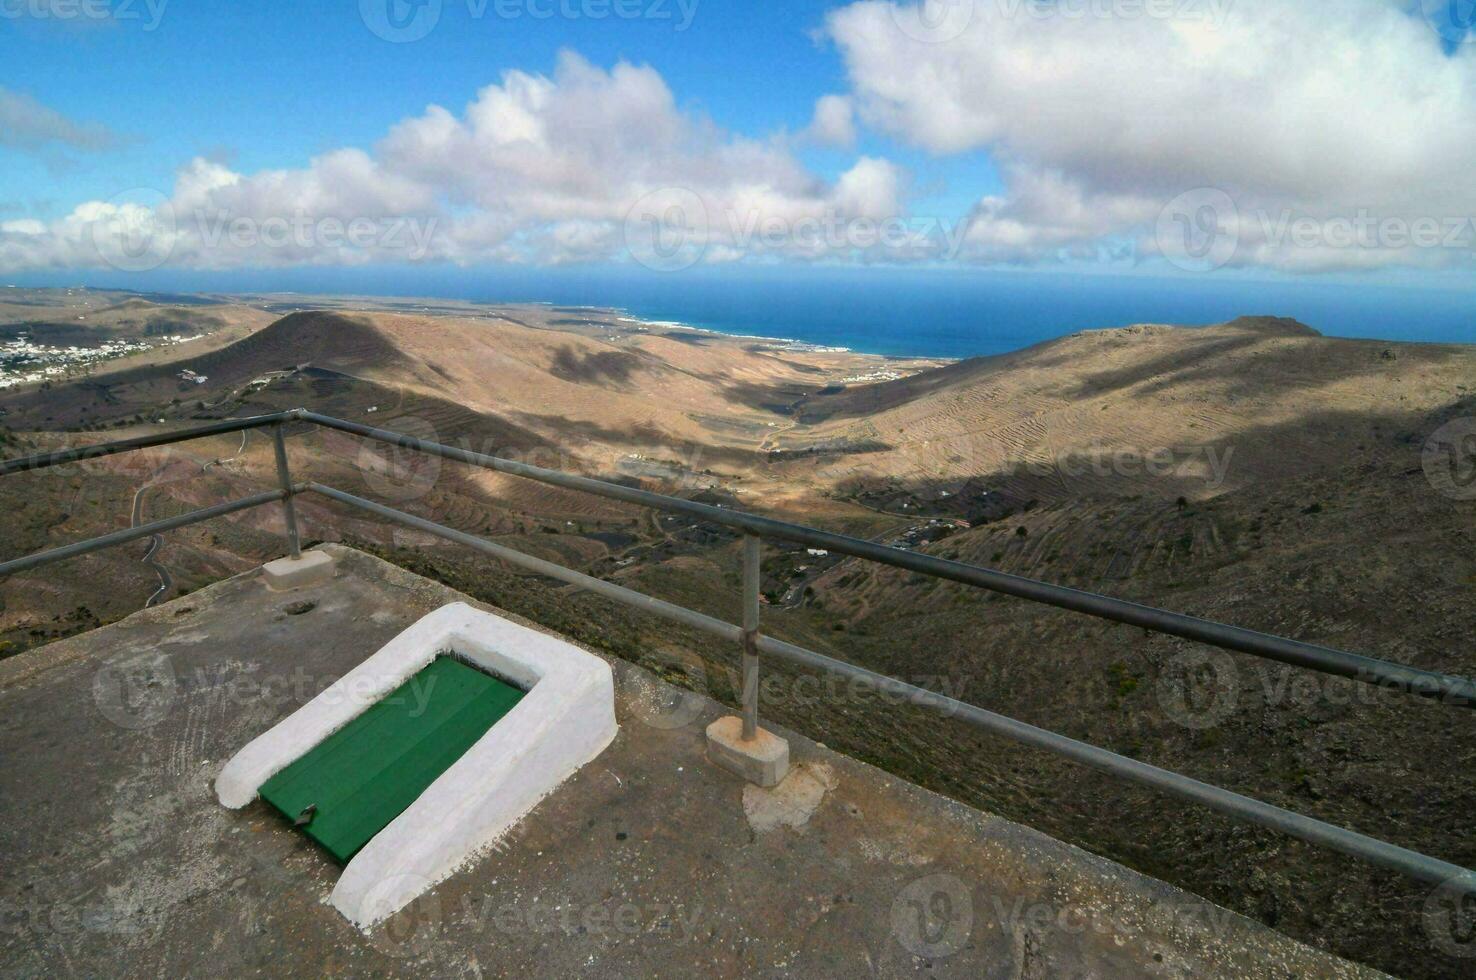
<point>958,316</point>
<point>900,312</point>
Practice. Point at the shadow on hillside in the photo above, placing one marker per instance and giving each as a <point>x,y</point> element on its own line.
<point>608,369</point>
<point>1319,442</point>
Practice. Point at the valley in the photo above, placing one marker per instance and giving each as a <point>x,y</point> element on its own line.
<point>1252,472</point>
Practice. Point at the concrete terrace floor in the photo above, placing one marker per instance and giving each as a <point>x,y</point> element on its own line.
<point>118,861</point>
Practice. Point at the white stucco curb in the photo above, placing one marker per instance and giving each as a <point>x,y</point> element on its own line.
<point>565,721</point>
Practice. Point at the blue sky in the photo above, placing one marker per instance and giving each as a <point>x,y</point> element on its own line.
<point>1062,134</point>
<point>270,83</point>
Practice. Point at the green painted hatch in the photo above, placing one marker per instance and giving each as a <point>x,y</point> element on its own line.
<point>350,786</point>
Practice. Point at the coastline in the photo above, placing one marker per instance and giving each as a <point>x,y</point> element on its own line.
<point>779,343</point>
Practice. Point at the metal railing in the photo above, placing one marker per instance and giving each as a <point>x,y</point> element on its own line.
<point>1459,691</point>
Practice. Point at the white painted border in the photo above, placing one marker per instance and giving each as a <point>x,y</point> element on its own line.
<point>565,721</point>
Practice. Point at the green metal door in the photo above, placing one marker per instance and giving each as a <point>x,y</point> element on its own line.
<point>349,787</point>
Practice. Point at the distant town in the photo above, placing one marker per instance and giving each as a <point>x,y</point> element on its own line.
<point>23,361</point>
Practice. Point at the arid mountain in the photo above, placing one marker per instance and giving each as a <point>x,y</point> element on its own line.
<point>570,389</point>
<point>1252,472</point>
<point>1150,410</point>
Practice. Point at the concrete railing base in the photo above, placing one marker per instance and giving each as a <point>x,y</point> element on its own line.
<point>762,760</point>
<point>313,568</point>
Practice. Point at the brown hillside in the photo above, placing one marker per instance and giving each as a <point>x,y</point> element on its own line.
<point>1230,405</point>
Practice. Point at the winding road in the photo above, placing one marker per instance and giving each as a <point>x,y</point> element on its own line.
<point>166,581</point>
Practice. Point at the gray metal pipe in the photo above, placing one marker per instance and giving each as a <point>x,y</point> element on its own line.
<point>134,533</point>
<point>1254,811</point>
<point>752,575</point>
<point>1174,784</point>
<point>1456,689</point>
<point>1430,684</point>
<point>598,586</point>
<point>284,476</point>
<point>1451,689</point>
<point>41,461</point>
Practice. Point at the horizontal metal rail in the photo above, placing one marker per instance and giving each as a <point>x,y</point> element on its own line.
<point>1451,689</point>
<point>43,460</point>
<point>1254,811</point>
<point>1426,683</point>
<point>609,590</point>
<point>142,531</point>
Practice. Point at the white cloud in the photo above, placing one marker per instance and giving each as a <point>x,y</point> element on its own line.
<point>834,123</point>
<point>870,189</point>
<point>1044,212</point>
<point>23,226</point>
<point>1304,115</point>
<point>1098,122</point>
<point>537,168</point>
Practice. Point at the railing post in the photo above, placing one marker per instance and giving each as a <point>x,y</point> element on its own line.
<point>751,574</point>
<point>284,476</point>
